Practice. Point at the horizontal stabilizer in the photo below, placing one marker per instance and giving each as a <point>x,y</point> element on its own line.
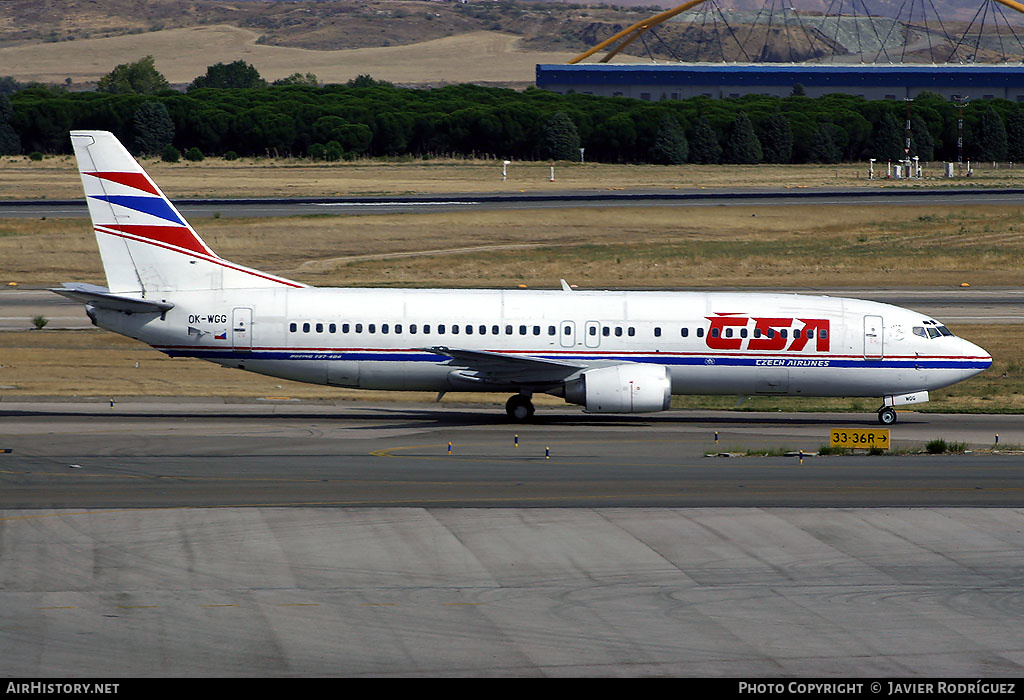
<point>100,297</point>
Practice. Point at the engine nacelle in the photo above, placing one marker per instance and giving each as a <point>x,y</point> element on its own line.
<point>626,388</point>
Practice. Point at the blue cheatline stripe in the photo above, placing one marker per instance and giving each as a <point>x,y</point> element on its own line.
<point>155,206</point>
<point>709,361</point>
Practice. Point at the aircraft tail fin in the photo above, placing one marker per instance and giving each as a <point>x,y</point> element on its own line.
<point>145,243</point>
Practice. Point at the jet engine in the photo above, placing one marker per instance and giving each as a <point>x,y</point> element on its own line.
<point>625,388</point>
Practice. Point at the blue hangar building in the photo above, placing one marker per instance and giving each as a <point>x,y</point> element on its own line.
<point>680,81</point>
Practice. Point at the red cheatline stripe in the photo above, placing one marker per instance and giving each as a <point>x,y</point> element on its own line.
<point>137,180</point>
<point>208,256</point>
<point>172,235</point>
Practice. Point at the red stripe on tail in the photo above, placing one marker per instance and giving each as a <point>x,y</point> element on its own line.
<point>138,181</point>
<point>172,235</point>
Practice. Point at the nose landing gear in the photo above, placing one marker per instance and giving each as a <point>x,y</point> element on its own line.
<point>886,415</point>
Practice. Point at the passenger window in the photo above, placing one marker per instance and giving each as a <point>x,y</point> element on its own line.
<point>371,328</point>
<point>700,332</point>
<point>770,333</point>
<point>508,330</point>
<point>536,330</point>
<point>714,332</point>
<point>522,330</point>
<point>551,330</point>
<point>440,329</point>
<point>632,331</point>
<point>796,333</point>
<point>332,328</point>
<point>757,332</point>
<point>605,331</point>
<point>398,328</point>
<point>685,332</point>
<point>494,330</point>
<point>344,328</point>
<point>426,328</point>
<point>412,328</point>
<point>319,328</point>
<point>823,333</point>
<point>743,332</point>
<point>567,330</point>
<point>293,327</point>
<point>455,329</point>
<point>592,330</point>
<point>618,331</point>
<point>384,328</point>
<point>359,328</point>
<point>469,329</point>
<point>657,332</point>
<point>728,332</point>
<point>305,328</point>
<point>784,332</point>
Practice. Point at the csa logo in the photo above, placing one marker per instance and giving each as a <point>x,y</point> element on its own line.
<point>725,334</point>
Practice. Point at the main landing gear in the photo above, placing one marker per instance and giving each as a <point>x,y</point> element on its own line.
<point>886,415</point>
<point>519,408</point>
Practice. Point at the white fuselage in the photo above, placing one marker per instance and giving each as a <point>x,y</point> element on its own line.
<point>712,343</point>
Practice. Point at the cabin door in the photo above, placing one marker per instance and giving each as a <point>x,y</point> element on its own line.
<point>874,338</point>
<point>241,330</point>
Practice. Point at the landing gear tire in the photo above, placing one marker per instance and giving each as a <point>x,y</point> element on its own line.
<point>519,408</point>
<point>886,416</point>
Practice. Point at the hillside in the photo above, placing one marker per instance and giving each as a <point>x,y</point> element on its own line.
<point>475,41</point>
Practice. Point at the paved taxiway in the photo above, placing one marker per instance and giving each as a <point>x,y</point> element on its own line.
<point>511,200</point>
<point>280,539</point>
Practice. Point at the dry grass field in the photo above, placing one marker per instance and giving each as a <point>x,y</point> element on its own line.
<point>56,177</point>
<point>653,247</point>
<point>181,54</point>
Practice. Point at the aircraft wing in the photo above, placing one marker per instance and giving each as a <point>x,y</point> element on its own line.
<point>502,368</point>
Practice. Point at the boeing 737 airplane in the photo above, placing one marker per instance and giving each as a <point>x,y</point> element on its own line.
<point>609,351</point>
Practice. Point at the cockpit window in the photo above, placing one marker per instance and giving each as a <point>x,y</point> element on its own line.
<point>933,332</point>
<point>919,330</point>
<point>945,331</point>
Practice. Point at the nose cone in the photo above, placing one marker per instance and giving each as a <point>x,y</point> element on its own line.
<point>977,360</point>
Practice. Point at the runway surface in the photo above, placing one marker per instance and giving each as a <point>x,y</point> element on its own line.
<point>298,206</point>
<point>251,539</point>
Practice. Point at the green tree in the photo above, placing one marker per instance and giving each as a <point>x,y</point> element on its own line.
<point>561,140</point>
<point>194,154</point>
<point>991,140</point>
<point>827,144</point>
<point>141,78</point>
<point>1015,135</point>
<point>922,144</point>
<point>776,136</point>
<point>152,128</point>
<point>309,80</point>
<point>10,142</point>
<point>704,147</point>
<point>237,74</point>
<point>170,154</point>
<point>743,145</point>
<point>670,145</point>
<point>888,140</point>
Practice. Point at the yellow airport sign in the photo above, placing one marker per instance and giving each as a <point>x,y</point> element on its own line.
<point>862,438</point>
